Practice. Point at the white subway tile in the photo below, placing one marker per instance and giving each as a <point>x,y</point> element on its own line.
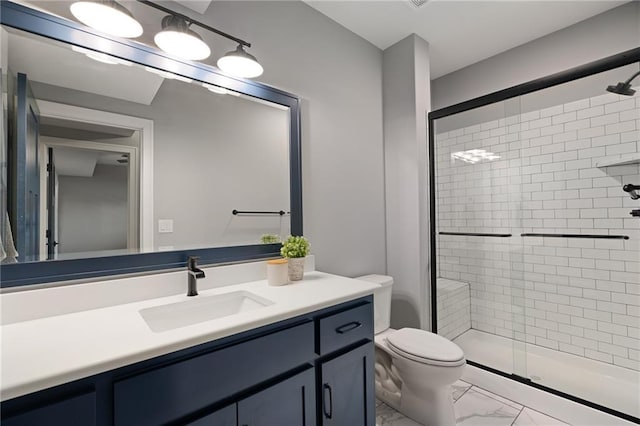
<point>590,132</point>
<point>626,362</point>
<point>577,125</point>
<point>572,349</point>
<point>576,105</point>
<point>608,327</point>
<point>631,114</point>
<point>578,164</point>
<point>605,119</point>
<point>612,349</point>
<point>533,115</point>
<point>566,136</point>
<point>605,140</point>
<point>629,299</point>
<point>614,308</point>
<point>599,356</point>
<point>598,335</point>
<point>619,106</point>
<point>610,286</point>
<point>626,342</point>
<point>542,122</point>
<point>585,343</point>
<point>621,148</point>
<point>579,204</point>
<point>554,110</point>
<point>551,130</point>
<point>564,118</point>
<point>590,112</point>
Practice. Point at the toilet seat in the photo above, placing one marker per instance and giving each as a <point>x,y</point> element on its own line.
<point>425,348</point>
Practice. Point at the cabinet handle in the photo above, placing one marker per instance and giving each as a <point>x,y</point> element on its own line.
<point>348,327</point>
<point>328,414</point>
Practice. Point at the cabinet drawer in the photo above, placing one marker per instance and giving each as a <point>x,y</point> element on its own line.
<point>342,329</point>
<point>169,393</point>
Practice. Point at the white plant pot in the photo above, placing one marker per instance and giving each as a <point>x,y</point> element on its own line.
<point>296,268</point>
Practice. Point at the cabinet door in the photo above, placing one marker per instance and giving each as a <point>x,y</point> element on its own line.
<point>347,390</point>
<point>290,402</point>
<point>79,410</point>
<point>223,417</point>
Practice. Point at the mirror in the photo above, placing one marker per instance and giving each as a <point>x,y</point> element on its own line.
<point>105,156</point>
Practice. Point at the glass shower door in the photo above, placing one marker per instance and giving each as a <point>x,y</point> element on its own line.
<point>477,180</point>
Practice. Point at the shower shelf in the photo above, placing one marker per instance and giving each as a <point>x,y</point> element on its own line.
<point>620,161</point>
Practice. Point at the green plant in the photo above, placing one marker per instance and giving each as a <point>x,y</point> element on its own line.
<point>295,247</point>
<point>270,239</point>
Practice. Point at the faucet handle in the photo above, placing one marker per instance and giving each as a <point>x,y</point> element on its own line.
<point>192,262</point>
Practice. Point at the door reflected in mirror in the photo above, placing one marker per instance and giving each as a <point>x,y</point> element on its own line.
<point>108,157</point>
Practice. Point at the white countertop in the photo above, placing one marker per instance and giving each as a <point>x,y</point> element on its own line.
<point>45,352</point>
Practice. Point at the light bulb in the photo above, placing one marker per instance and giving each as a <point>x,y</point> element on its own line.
<point>108,17</point>
<point>240,63</point>
<point>178,40</point>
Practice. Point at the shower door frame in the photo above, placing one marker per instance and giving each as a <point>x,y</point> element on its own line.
<point>595,67</point>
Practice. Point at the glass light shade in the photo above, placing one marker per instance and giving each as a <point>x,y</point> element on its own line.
<point>108,17</point>
<point>178,40</point>
<point>168,75</point>
<point>215,89</point>
<point>100,57</point>
<point>240,63</point>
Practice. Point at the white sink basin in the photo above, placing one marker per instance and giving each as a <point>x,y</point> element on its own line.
<point>201,308</point>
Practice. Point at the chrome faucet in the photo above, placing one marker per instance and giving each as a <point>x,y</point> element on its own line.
<point>194,274</point>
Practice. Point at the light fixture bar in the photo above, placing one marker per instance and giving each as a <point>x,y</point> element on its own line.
<point>194,22</point>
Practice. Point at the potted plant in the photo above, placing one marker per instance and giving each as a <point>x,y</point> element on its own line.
<point>295,248</point>
<point>270,239</point>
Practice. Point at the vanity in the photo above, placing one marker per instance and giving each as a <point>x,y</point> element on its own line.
<point>302,356</point>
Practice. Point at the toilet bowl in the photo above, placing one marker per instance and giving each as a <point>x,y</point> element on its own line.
<point>414,368</point>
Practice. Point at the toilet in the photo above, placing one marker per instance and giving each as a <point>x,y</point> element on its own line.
<point>414,368</point>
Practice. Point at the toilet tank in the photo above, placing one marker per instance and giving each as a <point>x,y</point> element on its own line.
<point>381,300</point>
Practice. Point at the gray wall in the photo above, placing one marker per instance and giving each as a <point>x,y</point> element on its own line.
<point>603,35</point>
<point>92,211</point>
<point>406,101</point>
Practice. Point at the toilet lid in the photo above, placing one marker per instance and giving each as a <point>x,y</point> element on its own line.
<point>422,346</point>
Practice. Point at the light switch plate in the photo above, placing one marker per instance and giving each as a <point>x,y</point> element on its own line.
<point>165,226</point>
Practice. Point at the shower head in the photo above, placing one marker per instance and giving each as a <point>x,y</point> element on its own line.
<point>623,88</point>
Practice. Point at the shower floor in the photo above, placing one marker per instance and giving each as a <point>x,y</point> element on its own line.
<point>604,384</point>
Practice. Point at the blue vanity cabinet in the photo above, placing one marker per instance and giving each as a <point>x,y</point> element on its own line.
<point>291,372</point>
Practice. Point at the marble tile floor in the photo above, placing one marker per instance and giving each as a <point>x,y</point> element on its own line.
<point>475,407</point>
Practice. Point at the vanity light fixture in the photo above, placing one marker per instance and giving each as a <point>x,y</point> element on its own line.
<point>176,38</point>
<point>107,16</point>
<point>180,41</point>
<point>240,63</point>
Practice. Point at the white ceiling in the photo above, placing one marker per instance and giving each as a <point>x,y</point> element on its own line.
<point>459,33</point>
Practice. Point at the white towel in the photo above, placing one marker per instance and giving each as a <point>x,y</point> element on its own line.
<point>8,252</point>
